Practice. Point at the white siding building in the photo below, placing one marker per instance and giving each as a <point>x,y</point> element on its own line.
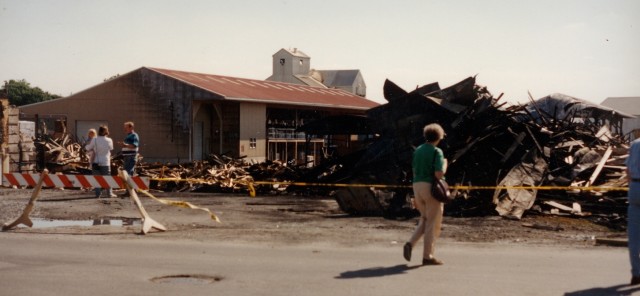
<point>629,105</point>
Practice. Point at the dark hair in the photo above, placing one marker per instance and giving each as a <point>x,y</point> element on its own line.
<point>103,130</point>
<point>433,132</point>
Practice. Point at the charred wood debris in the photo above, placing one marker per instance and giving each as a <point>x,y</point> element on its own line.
<point>557,140</point>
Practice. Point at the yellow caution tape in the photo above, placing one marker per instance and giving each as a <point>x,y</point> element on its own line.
<point>181,204</point>
<point>452,187</point>
<point>252,190</point>
<point>594,188</point>
<point>188,180</point>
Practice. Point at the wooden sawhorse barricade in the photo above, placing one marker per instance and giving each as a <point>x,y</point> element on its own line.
<point>123,180</point>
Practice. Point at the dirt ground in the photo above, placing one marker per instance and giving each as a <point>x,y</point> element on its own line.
<point>277,220</point>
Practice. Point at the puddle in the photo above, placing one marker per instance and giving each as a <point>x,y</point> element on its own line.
<point>45,223</point>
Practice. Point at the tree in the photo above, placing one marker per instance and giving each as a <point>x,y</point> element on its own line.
<point>20,92</point>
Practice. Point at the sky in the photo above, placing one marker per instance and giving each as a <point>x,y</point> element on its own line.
<point>589,49</point>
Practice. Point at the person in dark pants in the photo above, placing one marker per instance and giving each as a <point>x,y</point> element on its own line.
<point>130,149</point>
<point>633,213</point>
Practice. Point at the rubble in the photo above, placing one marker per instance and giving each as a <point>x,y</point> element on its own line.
<point>554,141</point>
<point>61,151</point>
<point>219,173</point>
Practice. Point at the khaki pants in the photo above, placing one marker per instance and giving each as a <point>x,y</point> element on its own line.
<point>430,222</point>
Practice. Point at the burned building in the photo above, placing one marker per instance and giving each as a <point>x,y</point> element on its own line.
<point>557,141</point>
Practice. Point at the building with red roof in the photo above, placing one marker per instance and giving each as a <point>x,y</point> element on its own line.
<point>184,116</point>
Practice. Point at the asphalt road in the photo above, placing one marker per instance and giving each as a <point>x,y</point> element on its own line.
<point>46,264</point>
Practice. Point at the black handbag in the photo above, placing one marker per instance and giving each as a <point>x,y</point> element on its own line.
<point>439,187</point>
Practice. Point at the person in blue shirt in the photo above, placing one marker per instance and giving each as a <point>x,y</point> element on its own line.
<point>130,148</point>
<point>633,213</point>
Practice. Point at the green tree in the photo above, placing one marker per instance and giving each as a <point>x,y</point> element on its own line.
<point>20,92</point>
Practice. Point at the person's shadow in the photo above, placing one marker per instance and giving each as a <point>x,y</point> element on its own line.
<point>600,291</point>
<point>376,271</point>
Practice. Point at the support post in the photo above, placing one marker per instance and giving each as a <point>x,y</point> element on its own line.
<point>147,222</point>
<point>24,218</point>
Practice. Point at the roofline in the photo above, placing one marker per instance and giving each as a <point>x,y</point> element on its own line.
<point>184,81</point>
<point>216,93</point>
<point>249,100</point>
<point>628,97</point>
<point>265,101</point>
<point>84,90</point>
<point>358,70</point>
<point>295,54</point>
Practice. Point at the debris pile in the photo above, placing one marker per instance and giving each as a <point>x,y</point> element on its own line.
<point>219,173</point>
<point>61,151</point>
<point>554,141</point>
<point>61,154</point>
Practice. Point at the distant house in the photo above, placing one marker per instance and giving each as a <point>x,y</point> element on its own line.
<point>184,116</point>
<point>630,105</point>
<point>294,66</point>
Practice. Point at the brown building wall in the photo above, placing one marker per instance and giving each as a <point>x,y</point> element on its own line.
<point>116,102</point>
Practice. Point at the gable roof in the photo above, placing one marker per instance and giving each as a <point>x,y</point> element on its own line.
<point>251,90</point>
<point>295,52</point>
<point>630,105</point>
<point>332,78</point>
<point>310,81</point>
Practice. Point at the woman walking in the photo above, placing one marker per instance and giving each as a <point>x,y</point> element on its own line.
<point>428,163</point>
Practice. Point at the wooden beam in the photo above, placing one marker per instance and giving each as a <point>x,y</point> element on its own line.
<point>595,174</point>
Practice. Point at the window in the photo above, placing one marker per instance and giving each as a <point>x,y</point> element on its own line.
<point>252,143</point>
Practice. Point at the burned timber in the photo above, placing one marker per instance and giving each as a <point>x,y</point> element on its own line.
<point>557,141</point>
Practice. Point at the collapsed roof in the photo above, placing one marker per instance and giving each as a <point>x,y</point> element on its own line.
<point>488,143</point>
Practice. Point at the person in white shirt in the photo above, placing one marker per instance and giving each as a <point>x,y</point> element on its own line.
<point>101,147</point>
<point>91,134</point>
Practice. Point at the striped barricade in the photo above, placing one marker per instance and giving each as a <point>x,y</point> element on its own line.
<point>73,181</point>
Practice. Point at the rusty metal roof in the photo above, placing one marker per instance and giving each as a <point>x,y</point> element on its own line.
<point>261,91</point>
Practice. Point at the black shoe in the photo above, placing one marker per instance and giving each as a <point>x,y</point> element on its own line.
<point>406,252</point>
<point>432,261</point>
<point>635,280</point>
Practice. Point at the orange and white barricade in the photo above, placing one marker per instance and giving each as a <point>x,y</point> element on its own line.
<point>73,181</point>
<point>131,184</point>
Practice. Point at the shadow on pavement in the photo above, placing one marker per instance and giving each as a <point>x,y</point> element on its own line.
<point>376,271</point>
<point>599,291</point>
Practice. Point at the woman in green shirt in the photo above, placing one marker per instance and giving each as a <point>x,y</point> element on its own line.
<point>428,162</point>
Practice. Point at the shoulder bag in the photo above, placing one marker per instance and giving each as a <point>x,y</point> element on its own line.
<point>439,187</point>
